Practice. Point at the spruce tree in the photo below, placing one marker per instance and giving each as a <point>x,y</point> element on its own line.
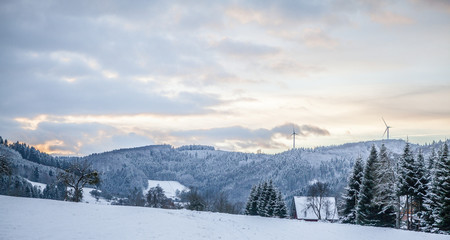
<point>280,210</point>
<point>407,181</point>
<point>36,174</point>
<point>352,191</point>
<point>432,162</point>
<point>443,190</point>
<point>271,200</point>
<point>252,203</point>
<point>263,199</point>
<point>385,194</point>
<point>5,166</point>
<point>366,211</point>
<point>420,191</point>
<point>429,199</point>
<point>266,201</point>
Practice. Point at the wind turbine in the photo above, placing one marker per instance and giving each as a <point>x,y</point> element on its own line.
<point>387,129</point>
<point>293,134</point>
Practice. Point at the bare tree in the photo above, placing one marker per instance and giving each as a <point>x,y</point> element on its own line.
<point>78,175</point>
<point>316,194</point>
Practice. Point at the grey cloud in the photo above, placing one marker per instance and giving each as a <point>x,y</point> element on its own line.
<point>33,85</point>
<point>34,32</point>
<point>245,137</point>
<point>81,139</point>
<point>302,130</point>
<point>42,96</point>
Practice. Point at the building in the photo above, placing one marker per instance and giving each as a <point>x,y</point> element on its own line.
<point>307,208</point>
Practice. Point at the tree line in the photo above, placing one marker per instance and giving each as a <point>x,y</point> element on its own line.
<point>409,192</point>
<point>265,200</point>
<point>30,153</point>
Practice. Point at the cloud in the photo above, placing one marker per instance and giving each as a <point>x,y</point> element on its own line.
<point>389,18</point>
<point>52,94</point>
<point>200,63</point>
<point>314,37</point>
<point>273,14</point>
<point>292,67</point>
<point>442,5</point>
<point>79,59</point>
<point>244,49</point>
<point>238,137</point>
<point>62,138</point>
<point>302,130</point>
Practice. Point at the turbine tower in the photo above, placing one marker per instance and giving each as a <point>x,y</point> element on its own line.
<point>293,137</point>
<point>387,129</point>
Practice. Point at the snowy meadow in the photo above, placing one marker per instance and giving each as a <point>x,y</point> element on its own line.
<point>27,219</point>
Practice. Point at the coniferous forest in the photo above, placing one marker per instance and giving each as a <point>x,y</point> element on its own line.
<point>409,192</point>
<point>388,184</point>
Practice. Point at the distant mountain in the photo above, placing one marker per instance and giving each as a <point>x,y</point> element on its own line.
<point>214,171</point>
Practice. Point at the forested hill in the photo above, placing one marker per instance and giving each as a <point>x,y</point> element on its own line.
<point>214,171</point>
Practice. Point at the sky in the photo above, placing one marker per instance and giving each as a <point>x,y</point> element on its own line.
<point>80,77</point>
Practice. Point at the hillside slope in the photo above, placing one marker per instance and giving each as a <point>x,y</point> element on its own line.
<point>234,173</point>
<point>26,218</point>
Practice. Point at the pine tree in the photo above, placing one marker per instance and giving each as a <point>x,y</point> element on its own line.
<point>352,192</point>
<point>443,190</point>
<point>432,162</point>
<point>263,199</point>
<point>430,212</point>
<point>271,200</point>
<point>5,166</point>
<point>36,174</point>
<point>280,209</point>
<point>266,201</point>
<point>385,194</point>
<point>406,181</point>
<point>420,191</point>
<point>366,211</point>
<point>252,203</point>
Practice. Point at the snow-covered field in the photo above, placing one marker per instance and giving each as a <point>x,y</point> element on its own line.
<point>87,197</point>
<point>170,187</point>
<point>27,218</point>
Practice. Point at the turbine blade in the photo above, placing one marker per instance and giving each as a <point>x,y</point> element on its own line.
<point>385,132</point>
<point>384,122</point>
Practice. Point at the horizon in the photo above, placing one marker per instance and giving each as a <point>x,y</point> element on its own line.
<point>80,78</point>
<point>257,152</point>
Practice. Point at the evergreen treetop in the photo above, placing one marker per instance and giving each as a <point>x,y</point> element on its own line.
<point>352,191</point>
<point>366,210</point>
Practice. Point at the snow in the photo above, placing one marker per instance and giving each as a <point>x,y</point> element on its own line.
<point>40,186</point>
<point>306,212</point>
<point>27,218</point>
<point>170,187</point>
<point>87,197</point>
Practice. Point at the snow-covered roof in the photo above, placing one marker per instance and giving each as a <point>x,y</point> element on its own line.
<point>305,211</point>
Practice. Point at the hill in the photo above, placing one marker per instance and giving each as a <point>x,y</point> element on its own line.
<point>26,218</point>
<point>234,173</point>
